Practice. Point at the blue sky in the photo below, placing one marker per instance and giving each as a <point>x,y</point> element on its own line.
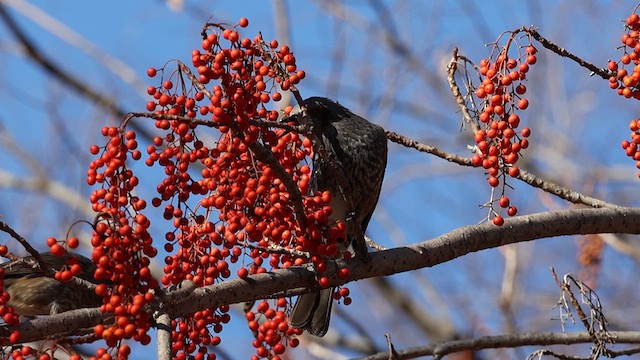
<point>578,122</point>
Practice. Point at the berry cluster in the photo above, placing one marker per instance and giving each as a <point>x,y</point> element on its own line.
<point>625,83</point>
<point>122,244</point>
<point>72,267</point>
<point>7,312</point>
<point>28,352</point>
<point>269,331</point>
<point>499,141</point>
<point>628,84</point>
<point>247,197</point>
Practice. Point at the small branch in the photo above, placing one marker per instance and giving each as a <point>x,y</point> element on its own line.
<point>265,155</point>
<point>531,179</point>
<point>410,143</point>
<point>457,95</point>
<point>36,255</point>
<point>393,354</point>
<point>562,192</point>
<point>276,249</point>
<point>602,72</point>
<point>200,86</point>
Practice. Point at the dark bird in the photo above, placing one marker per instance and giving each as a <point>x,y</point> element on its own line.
<point>33,293</point>
<point>359,149</point>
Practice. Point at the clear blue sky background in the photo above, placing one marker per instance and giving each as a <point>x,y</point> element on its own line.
<point>578,122</point>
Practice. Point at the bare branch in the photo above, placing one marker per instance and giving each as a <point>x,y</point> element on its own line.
<point>444,248</point>
<point>457,95</point>
<point>531,179</point>
<point>439,350</point>
<point>36,255</point>
<point>602,72</point>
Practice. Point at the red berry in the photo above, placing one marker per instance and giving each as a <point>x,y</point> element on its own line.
<point>57,250</point>
<point>523,104</point>
<point>73,242</point>
<point>151,72</point>
<point>498,220</point>
<point>324,282</point>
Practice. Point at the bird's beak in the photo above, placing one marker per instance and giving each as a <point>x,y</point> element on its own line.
<point>295,116</point>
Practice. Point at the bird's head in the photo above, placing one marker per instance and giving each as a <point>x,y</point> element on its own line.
<point>321,112</point>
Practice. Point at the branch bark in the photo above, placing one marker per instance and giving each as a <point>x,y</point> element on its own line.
<point>438,350</point>
<point>429,253</point>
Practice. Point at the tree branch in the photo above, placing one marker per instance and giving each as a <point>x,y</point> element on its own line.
<point>529,178</point>
<point>444,248</point>
<point>438,350</point>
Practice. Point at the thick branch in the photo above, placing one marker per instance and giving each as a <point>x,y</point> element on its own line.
<point>505,341</point>
<point>48,327</point>
<point>163,322</point>
<point>444,248</point>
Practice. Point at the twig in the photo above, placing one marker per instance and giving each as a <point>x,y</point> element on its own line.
<point>276,249</point>
<point>457,95</point>
<point>393,354</point>
<point>531,179</point>
<point>602,72</point>
<point>36,255</point>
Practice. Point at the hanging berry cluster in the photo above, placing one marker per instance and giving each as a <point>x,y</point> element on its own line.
<point>7,312</point>
<point>627,82</point>
<point>498,140</point>
<point>122,245</point>
<point>235,198</point>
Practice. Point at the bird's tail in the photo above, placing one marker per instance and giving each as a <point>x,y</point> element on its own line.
<point>312,312</point>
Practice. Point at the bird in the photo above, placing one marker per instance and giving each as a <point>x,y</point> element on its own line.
<point>32,293</point>
<point>358,148</point>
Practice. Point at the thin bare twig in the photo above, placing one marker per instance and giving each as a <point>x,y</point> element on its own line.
<point>36,255</point>
<point>457,95</point>
<point>602,72</point>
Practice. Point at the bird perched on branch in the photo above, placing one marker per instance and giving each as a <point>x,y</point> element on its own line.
<point>352,170</point>
<point>31,292</point>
